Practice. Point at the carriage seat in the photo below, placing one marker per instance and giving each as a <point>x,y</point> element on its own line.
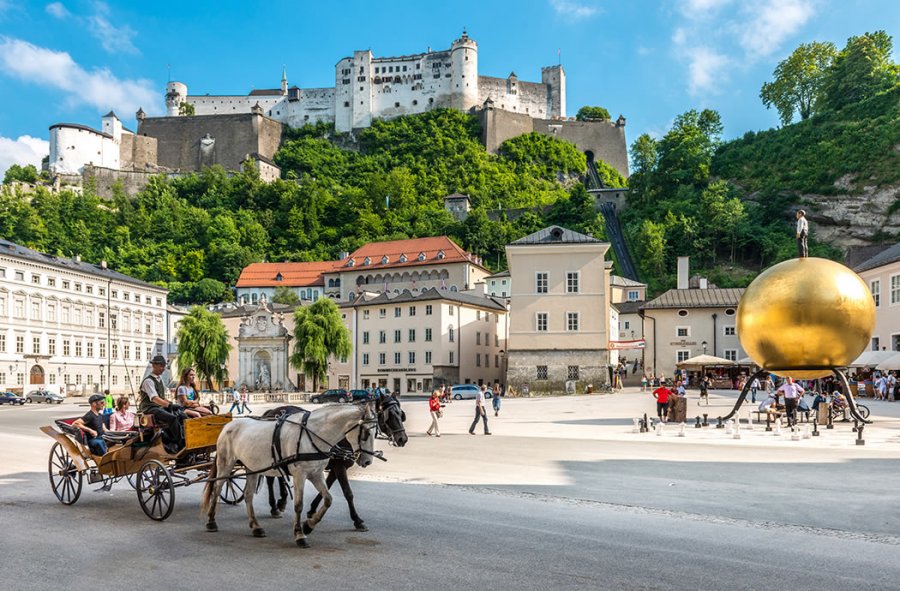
<point>66,426</point>
<point>119,437</point>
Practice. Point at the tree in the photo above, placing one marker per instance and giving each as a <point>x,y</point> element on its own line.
<point>587,113</point>
<point>24,174</point>
<point>861,70</point>
<point>186,109</point>
<point>798,80</point>
<point>319,334</point>
<point>285,295</point>
<point>203,344</point>
<point>686,151</point>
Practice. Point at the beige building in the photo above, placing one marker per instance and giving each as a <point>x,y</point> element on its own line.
<point>693,319</point>
<point>622,289</point>
<point>559,311</point>
<point>413,342</point>
<point>882,274</point>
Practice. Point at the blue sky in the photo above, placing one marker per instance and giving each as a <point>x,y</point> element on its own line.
<point>74,60</point>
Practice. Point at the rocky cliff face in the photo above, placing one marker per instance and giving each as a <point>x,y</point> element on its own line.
<point>857,217</point>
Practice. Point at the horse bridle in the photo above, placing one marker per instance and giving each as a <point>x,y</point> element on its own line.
<point>384,405</point>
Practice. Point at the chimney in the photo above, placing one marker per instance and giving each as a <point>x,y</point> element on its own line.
<point>102,264</point>
<point>704,283</point>
<point>77,258</point>
<point>683,272</point>
<point>344,254</point>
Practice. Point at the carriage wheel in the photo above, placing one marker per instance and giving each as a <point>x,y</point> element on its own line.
<point>132,480</point>
<point>155,490</point>
<point>232,491</point>
<point>65,479</point>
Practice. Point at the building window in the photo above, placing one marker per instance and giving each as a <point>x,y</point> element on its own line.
<point>729,331</point>
<point>36,279</point>
<point>19,309</point>
<point>876,345</point>
<point>382,312</point>
<point>366,337</point>
<point>365,314</point>
<point>541,322</point>
<point>51,282</point>
<point>67,348</point>
<point>412,357</point>
<point>731,354</point>
<point>451,357</point>
<point>365,359</point>
<point>571,320</point>
<point>412,335</point>
<point>451,334</point>
<point>477,338</point>
<point>682,313</point>
<point>427,358</point>
<point>90,349</point>
<point>103,350</point>
<point>427,335</point>
<point>396,336</point>
<point>682,355</point>
<point>382,337</point>
<point>412,310</point>
<point>126,351</point>
<point>496,361</point>
<point>36,345</point>
<point>572,282</point>
<point>895,289</point>
<point>875,286</point>
<point>20,276</point>
<point>2,345</point>
<point>396,357</point>
<point>633,295</point>
<point>683,331</point>
<point>51,346</point>
<point>541,282</point>
<point>397,312</point>
<point>115,379</point>
<point>541,372</point>
<point>477,359</point>
<point>381,358</point>
<point>115,351</point>
<point>572,372</point>
<point>35,310</point>
<point>78,348</point>
<point>51,312</point>
<point>20,344</point>
<point>101,320</point>
<point>428,310</point>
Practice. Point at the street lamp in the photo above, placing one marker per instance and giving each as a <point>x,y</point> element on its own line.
<point>704,344</point>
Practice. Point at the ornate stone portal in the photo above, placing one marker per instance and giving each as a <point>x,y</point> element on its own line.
<point>263,351</point>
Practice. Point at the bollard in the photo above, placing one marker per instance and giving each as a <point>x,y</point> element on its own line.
<point>681,430</point>
<point>778,426</point>
<point>698,425</point>
<point>659,428</point>
<point>806,433</point>
<point>768,422</point>
<point>830,424</point>
<point>859,435</point>
<point>855,425</point>
<point>815,432</point>
<point>719,425</point>
<point>646,423</point>
<point>795,433</point>
<point>705,422</point>
<point>737,429</point>
<point>729,427</point>
<point>637,426</point>
<point>750,420</point>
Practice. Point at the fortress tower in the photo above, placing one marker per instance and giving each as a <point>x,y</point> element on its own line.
<point>464,60</point>
<point>555,79</point>
<point>176,93</point>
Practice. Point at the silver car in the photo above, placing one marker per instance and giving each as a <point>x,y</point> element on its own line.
<point>467,392</point>
<point>44,396</point>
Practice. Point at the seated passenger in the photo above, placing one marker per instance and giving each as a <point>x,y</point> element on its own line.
<point>92,425</point>
<point>188,394</point>
<point>123,418</point>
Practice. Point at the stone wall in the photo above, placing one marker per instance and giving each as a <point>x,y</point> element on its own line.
<point>593,367</point>
<point>104,179</point>
<point>498,125</point>
<point>137,152</point>
<point>234,137</point>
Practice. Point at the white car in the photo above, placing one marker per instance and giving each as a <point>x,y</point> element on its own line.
<point>467,392</point>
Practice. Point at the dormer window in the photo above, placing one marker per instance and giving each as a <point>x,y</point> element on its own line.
<point>385,260</point>
<point>441,254</point>
<point>403,258</point>
<point>351,263</point>
<point>367,261</point>
<point>279,277</point>
<point>421,256</point>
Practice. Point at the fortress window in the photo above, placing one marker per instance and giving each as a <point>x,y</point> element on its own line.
<point>417,66</point>
<point>415,102</point>
<point>306,117</point>
<point>396,105</point>
<point>404,68</point>
<point>346,103</point>
<point>431,101</point>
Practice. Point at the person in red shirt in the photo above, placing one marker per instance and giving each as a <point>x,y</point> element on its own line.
<point>662,402</point>
<point>434,407</point>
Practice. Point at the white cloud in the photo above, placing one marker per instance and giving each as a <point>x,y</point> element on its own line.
<point>58,10</point>
<point>23,150</point>
<point>56,69</point>
<point>573,10</point>
<point>770,23</point>
<point>702,9</point>
<point>113,39</point>
<point>706,70</point>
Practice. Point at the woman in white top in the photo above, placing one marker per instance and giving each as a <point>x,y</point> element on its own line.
<point>188,394</point>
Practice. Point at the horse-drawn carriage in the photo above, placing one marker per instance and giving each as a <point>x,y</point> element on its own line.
<point>140,457</point>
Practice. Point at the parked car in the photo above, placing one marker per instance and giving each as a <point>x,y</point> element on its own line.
<point>467,392</point>
<point>44,396</point>
<point>358,395</point>
<point>11,398</point>
<point>333,395</point>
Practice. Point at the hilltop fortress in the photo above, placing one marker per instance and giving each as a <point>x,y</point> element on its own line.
<point>228,130</point>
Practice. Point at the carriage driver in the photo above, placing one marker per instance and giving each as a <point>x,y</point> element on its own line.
<point>164,412</point>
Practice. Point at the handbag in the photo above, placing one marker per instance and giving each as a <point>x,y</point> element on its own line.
<point>440,414</point>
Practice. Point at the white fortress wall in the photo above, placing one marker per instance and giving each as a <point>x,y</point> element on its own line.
<point>231,105</point>
<point>315,105</point>
<point>511,94</point>
<point>73,146</point>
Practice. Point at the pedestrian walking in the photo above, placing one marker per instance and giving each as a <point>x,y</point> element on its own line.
<point>480,412</point>
<point>802,233</point>
<point>236,401</point>
<point>792,393</point>
<point>434,409</point>
<point>495,399</point>
<point>244,397</point>
<point>754,388</point>
<point>644,383</point>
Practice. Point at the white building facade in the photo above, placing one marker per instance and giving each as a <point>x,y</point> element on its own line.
<point>368,88</point>
<point>74,327</point>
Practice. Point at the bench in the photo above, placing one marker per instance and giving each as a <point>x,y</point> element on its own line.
<point>803,416</point>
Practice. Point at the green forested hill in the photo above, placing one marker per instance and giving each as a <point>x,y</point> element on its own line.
<point>390,185</point>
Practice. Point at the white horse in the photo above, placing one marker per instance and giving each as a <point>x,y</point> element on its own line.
<point>251,441</point>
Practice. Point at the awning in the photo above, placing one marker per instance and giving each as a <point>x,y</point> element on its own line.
<point>701,361</point>
<point>891,363</point>
<point>872,358</point>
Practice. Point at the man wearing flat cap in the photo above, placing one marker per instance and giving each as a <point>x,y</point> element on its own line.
<point>91,424</point>
<point>164,412</point>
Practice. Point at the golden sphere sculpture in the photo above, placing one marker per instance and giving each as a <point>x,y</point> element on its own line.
<point>806,313</point>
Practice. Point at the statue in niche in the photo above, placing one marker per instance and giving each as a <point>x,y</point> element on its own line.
<point>263,377</point>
